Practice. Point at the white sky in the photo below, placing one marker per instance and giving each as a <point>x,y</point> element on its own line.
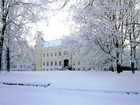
<point>56,28</point>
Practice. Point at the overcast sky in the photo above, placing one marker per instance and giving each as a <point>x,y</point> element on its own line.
<point>57,26</point>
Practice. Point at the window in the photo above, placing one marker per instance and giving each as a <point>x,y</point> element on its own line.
<point>51,63</point>
<point>79,63</point>
<point>59,53</point>
<point>51,54</point>
<point>73,62</point>
<point>73,53</point>
<point>66,53</point>
<point>47,63</point>
<point>47,54</point>
<point>59,63</point>
<point>55,63</point>
<point>43,54</point>
<point>55,54</point>
<point>15,66</point>
<point>84,68</point>
<point>43,63</point>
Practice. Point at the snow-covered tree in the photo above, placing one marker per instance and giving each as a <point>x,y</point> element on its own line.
<point>133,25</point>
<point>104,23</point>
<point>16,16</point>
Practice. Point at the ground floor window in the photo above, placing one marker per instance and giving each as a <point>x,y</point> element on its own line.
<point>55,63</point>
<point>59,63</point>
<point>43,63</point>
<point>51,63</point>
<point>47,63</point>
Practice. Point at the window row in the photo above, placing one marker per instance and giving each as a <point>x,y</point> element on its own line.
<point>55,54</point>
<point>74,63</point>
<point>51,69</point>
<point>56,63</point>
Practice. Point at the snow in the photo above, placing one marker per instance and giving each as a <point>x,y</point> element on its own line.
<point>52,43</point>
<point>70,88</point>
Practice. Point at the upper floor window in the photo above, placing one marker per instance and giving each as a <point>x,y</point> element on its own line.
<point>55,54</point>
<point>66,52</point>
<point>47,54</point>
<point>59,53</point>
<point>51,54</point>
<point>73,53</point>
<point>43,54</point>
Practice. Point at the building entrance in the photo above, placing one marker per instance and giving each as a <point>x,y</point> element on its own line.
<point>66,62</point>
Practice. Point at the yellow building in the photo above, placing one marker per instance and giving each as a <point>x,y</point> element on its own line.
<point>53,55</point>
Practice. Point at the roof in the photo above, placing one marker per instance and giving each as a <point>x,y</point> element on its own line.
<point>53,43</point>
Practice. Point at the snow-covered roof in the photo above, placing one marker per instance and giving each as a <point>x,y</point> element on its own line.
<point>52,43</point>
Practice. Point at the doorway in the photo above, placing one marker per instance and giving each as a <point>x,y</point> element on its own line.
<point>66,62</point>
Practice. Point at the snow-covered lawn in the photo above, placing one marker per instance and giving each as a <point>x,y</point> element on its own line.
<point>70,88</point>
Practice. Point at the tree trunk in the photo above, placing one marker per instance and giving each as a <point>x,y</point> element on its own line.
<point>133,56</point>
<point>117,63</point>
<point>1,44</point>
<point>4,16</point>
<point>1,48</point>
<point>133,48</point>
<point>117,58</point>
<point>8,59</point>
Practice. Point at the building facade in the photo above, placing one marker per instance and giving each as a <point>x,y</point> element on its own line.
<point>55,55</point>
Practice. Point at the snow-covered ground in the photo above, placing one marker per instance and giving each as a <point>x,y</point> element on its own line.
<point>70,88</point>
